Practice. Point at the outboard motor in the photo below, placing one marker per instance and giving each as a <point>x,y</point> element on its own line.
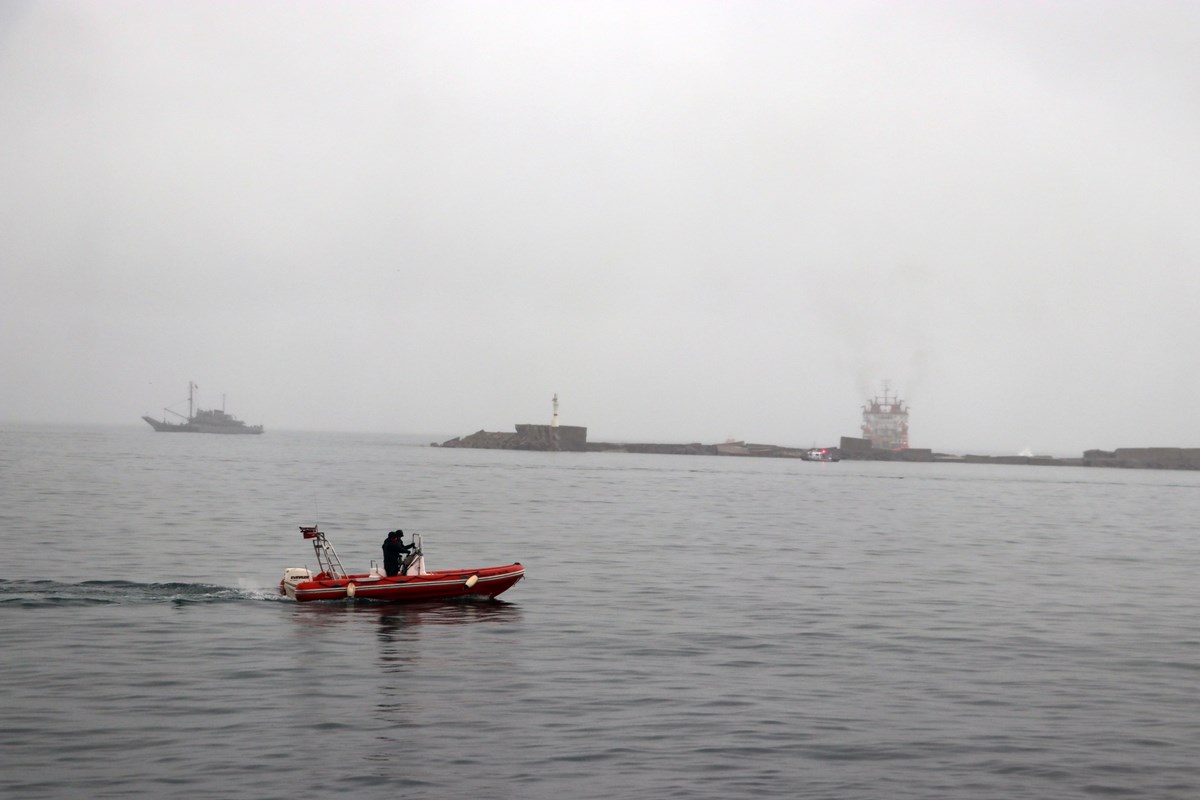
<point>293,576</point>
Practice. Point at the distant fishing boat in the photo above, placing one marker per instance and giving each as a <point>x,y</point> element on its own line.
<point>201,420</point>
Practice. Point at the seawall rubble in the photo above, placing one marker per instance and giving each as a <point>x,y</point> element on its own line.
<point>574,439</point>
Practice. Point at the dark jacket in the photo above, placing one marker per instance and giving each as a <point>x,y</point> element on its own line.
<point>394,550</point>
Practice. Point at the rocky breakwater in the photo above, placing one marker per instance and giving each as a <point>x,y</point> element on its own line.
<point>693,449</point>
<point>854,449</point>
<point>1144,458</point>
<point>572,438</point>
<point>1121,458</point>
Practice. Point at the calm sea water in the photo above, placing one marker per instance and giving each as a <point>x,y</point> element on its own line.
<point>690,627</point>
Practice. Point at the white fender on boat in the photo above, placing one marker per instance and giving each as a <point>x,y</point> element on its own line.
<point>350,590</point>
<point>471,581</point>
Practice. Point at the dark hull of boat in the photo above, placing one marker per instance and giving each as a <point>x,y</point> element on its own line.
<point>200,427</point>
<point>440,585</point>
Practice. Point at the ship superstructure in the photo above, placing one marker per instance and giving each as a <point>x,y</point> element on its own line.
<point>885,421</point>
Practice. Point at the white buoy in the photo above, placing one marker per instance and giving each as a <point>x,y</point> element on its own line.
<point>471,581</point>
<point>350,590</point>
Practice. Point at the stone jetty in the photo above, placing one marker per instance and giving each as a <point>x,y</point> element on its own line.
<point>573,438</point>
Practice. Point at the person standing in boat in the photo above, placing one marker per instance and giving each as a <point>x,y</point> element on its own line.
<point>394,550</point>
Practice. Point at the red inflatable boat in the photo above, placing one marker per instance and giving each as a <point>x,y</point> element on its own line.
<point>413,583</point>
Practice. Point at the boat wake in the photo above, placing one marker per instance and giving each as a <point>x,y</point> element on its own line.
<point>56,594</point>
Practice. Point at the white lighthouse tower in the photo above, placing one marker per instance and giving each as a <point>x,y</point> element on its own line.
<point>554,417</point>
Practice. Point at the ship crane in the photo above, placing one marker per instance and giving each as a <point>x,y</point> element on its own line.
<point>192,387</point>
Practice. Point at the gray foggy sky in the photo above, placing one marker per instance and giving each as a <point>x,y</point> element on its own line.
<point>691,220</point>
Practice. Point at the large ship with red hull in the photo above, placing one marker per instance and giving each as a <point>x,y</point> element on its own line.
<point>885,421</point>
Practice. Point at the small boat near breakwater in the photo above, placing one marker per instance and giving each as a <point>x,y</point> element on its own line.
<point>414,582</point>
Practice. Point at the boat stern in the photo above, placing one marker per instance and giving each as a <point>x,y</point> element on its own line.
<point>293,577</point>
